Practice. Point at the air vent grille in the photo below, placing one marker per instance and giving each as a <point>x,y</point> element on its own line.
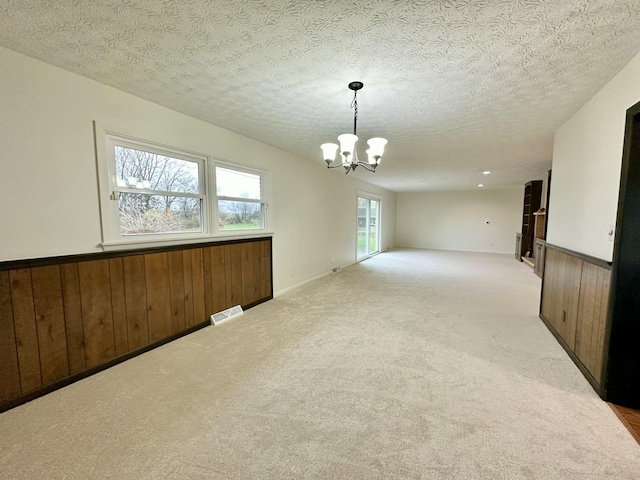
<point>226,315</point>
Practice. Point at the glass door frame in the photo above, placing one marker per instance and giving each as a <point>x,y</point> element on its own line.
<point>375,198</point>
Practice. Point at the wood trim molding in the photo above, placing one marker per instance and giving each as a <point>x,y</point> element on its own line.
<point>84,257</point>
<point>582,256</point>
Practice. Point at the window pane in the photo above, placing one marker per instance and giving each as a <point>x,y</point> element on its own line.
<point>363,216</point>
<point>149,214</point>
<point>239,215</point>
<point>140,169</point>
<point>373,226</point>
<point>232,183</point>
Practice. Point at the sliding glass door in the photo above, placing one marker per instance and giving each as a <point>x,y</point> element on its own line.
<point>368,226</point>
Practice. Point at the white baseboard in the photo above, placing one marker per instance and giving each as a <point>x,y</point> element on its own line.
<point>455,250</point>
<point>298,285</point>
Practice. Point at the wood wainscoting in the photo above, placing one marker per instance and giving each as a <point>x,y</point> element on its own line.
<point>538,261</point>
<point>574,305</point>
<point>64,318</point>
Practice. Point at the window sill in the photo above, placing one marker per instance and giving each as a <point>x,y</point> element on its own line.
<point>164,242</point>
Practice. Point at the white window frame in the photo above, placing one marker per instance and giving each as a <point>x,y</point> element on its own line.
<point>112,239</point>
<point>378,198</point>
<point>262,201</point>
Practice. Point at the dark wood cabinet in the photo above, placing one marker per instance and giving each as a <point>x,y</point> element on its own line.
<point>531,204</point>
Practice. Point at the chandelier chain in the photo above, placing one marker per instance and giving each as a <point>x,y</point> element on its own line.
<point>354,105</point>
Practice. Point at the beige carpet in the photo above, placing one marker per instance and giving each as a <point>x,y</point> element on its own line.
<point>413,364</point>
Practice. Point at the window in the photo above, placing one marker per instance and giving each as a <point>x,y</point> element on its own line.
<point>240,198</point>
<point>157,193</point>
<point>153,191</point>
<point>152,194</point>
<point>368,234</point>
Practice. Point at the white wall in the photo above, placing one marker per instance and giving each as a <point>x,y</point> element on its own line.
<point>587,156</point>
<point>458,220</point>
<point>48,183</point>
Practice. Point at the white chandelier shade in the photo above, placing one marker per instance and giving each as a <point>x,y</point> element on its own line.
<point>347,145</point>
<point>329,151</point>
<point>376,146</point>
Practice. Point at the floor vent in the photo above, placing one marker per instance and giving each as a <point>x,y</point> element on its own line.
<point>225,315</point>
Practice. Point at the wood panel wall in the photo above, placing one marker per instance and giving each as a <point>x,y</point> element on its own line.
<point>561,294</point>
<point>74,314</point>
<point>574,303</point>
<point>590,332</point>
<point>538,261</point>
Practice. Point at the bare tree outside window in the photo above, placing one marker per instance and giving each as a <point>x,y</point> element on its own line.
<point>157,193</point>
<point>239,214</point>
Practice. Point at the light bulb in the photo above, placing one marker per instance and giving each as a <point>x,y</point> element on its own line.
<point>372,159</point>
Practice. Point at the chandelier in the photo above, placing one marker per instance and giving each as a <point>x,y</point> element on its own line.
<point>348,150</point>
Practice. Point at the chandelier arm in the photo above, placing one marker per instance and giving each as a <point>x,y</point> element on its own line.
<point>368,167</point>
<point>334,166</point>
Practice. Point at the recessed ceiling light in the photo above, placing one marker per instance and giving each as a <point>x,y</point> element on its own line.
<point>480,185</point>
<point>486,172</point>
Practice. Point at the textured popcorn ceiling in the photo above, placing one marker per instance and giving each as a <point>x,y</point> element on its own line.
<point>456,86</point>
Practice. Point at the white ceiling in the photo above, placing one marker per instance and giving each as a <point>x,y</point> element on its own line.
<point>456,86</point>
